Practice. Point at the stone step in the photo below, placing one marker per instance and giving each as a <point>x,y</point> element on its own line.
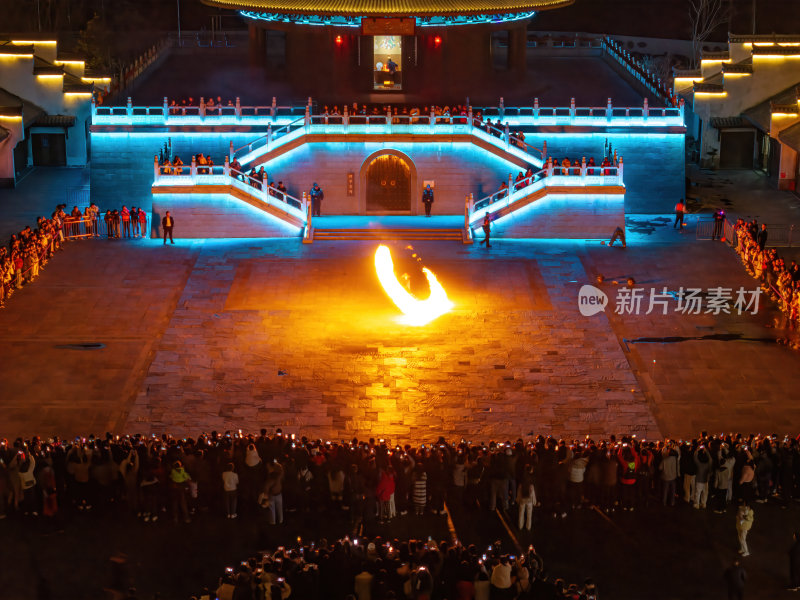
<point>420,234</point>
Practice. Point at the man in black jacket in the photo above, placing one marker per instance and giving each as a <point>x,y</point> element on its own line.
<point>794,563</point>
<point>735,576</point>
<point>427,199</point>
<point>167,223</point>
<point>761,237</point>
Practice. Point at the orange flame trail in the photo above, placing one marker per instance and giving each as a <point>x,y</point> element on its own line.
<point>415,312</point>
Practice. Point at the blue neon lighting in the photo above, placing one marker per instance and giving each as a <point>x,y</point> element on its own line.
<point>345,21</point>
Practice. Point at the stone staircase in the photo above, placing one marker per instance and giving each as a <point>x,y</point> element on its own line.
<point>388,234</point>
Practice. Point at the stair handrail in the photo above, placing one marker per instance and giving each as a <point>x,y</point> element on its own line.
<point>507,192</point>
<point>259,185</point>
<point>578,172</point>
<point>510,140</point>
<point>271,135</point>
<point>636,68</point>
<point>339,121</point>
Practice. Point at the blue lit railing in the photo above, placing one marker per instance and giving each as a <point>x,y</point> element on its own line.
<point>195,175</point>
<point>638,70</point>
<point>205,112</point>
<point>389,124</point>
<point>270,141</point>
<point>583,176</point>
<point>275,115</point>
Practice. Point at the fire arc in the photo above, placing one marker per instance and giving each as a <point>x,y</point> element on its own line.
<point>415,312</point>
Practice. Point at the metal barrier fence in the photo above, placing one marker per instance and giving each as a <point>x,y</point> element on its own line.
<point>705,229</point>
<point>87,228</point>
<point>778,236</point>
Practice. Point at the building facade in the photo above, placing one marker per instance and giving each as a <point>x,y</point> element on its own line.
<point>45,107</point>
<point>746,105</point>
<point>330,49</point>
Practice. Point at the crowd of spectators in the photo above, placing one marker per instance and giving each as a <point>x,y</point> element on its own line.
<point>91,222</point>
<point>205,163</point>
<point>30,250</point>
<point>375,482</point>
<point>377,569</point>
<point>27,252</point>
<point>212,105</point>
<point>457,114</point>
<point>563,167</point>
<point>779,280</point>
<point>280,478</point>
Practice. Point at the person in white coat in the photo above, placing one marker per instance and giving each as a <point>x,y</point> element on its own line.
<point>526,499</point>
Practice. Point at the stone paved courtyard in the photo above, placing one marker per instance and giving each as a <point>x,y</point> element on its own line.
<point>220,334</point>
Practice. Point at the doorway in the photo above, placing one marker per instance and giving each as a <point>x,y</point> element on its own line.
<point>737,149</point>
<point>388,185</point>
<point>387,52</point>
<point>49,149</point>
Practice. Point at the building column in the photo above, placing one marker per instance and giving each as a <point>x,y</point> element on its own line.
<point>466,58</point>
<point>517,49</point>
<point>257,45</point>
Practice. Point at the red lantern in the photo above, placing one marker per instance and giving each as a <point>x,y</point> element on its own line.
<point>437,41</point>
<point>339,40</point>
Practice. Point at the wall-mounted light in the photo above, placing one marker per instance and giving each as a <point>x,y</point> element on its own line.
<point>338,40</point>
<point>437,41</point>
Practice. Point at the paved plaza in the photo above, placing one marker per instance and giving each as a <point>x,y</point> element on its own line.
<point>133,336</point>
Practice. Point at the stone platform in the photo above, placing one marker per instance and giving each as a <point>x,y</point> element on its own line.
<point>224,334</point>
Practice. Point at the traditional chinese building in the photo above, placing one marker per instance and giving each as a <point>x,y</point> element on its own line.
<point>746,105</point>
<point>45,106</point>
<point>329,48</point>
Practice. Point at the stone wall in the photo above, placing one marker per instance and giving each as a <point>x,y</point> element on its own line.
<point>122,167</point>
<point>571,217</point>
<point>457,169</point>
<point>122,164</point>
<point>655,172</point>
<point>217,216</point>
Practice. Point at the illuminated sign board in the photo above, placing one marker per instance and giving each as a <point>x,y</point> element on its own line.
<point>387,26</point>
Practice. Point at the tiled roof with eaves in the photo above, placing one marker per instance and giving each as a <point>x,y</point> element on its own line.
<point>390,8</point>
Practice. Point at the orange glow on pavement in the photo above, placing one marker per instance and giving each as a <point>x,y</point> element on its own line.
<point>415,312</point>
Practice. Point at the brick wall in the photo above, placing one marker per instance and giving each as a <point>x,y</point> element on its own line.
<point>216,216</point>
<point>573,217</point>
<point>456,168</point>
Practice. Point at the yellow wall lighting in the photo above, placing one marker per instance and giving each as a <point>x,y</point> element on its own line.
<point>775,56</point>
<point>11,117</point>
<point>87,94</point>
<point>712,61</point>
<point>93,79</point>
<point>2,55</point>
<point>29,42</point>
<point>736,74</point>
<point>70,62</point>
<point>711,94</point>
<point>783,114</point>
<point>687,79</point>
<point>763,43</point>
<point>50,76</point>
<point>788,43</point>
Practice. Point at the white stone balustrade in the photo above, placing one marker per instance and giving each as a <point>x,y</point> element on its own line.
<point>520,116</point>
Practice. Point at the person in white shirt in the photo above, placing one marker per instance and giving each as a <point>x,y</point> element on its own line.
<point>230,483</point>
